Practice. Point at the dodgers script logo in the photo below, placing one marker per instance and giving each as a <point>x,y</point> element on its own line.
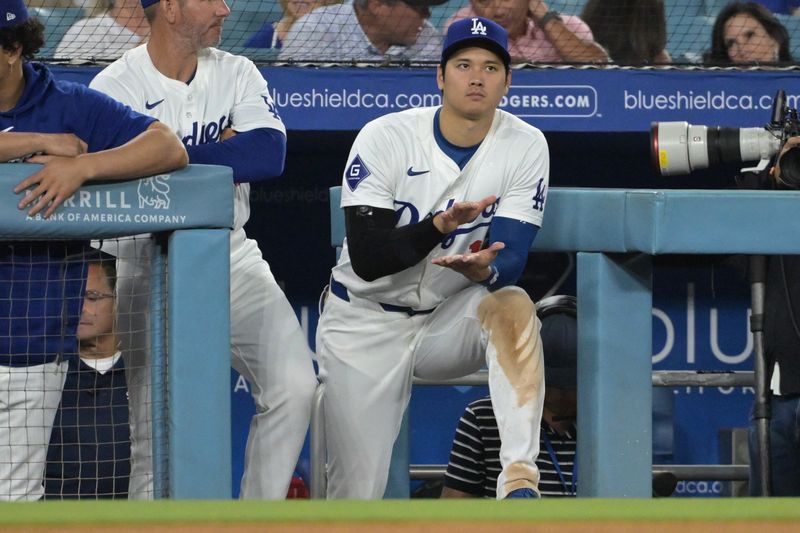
<point>406,213</point>
<point>154,192</point>
<point>207,133</point>
<point>477,27</point>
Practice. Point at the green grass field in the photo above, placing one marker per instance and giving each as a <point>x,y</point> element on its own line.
<point>428,511</point>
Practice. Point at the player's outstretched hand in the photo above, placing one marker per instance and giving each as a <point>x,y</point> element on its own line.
<point>461,213</point>
<point>55,182</point>
<point>473,266</point>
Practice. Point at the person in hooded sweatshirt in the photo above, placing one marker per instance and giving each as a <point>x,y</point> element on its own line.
<point>77,135</point>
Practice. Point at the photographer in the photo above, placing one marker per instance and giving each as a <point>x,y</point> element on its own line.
<point>781,342</point>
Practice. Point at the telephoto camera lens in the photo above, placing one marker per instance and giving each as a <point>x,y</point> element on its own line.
<point>680,147</point>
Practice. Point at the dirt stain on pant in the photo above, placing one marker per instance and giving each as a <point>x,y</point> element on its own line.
<point>509,316</point>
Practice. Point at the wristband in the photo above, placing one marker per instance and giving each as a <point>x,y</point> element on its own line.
<point>547,17</point>
<point>492,279</point>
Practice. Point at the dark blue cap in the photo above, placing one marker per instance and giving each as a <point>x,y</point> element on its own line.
<point>12,12</point>
<point>148,3</point>
<point>476,31</point>
<point>559,332</point>
<point>560,343</point>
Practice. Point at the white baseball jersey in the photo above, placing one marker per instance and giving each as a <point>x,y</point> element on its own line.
<point>226,91</point>
<point>395,163</point>
<point>268,346</point>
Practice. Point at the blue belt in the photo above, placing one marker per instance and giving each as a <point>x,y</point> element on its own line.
<point>341,291</point>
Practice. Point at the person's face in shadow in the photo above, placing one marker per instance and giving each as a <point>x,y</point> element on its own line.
<point>748,42</point>
<point>97,316</point>
<point>562,403</point>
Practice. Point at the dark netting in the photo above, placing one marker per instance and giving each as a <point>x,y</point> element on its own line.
<point>402,32</point>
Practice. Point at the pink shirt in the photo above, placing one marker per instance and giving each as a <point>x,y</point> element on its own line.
<point>533,45</point>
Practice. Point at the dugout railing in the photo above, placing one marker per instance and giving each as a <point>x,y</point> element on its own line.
<point>615,232</point>
<point>193,210</point>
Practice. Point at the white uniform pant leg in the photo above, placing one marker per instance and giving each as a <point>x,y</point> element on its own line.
<point>501,329</point>
<point>365,363</point>
<point>29,399</point>
<point>133,327</point>
<point>271,351</point>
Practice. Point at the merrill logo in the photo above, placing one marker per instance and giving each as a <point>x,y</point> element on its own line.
<point>154,192</point>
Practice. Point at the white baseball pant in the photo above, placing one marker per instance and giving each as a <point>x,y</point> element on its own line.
<point>368,357</point>
<point>29,399</point>
<point>268,348</point>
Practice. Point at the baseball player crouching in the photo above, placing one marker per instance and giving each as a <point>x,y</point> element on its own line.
<point>441,207</point>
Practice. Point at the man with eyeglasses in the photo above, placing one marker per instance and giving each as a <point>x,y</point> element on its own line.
<point>78,136</point>
<point>89,453</point>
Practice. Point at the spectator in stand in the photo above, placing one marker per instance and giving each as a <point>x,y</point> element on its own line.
<point>633,31</point>
<point>272,34</point>
<point>536,32</point>
<point>364,30</point>
<point>113,27</point>
<point>89,452</point>
<point>746,32</point>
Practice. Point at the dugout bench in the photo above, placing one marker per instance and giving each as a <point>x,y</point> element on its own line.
<point>615,232</point>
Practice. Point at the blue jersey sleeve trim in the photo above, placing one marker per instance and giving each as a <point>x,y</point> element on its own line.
<point>518,237</point>
<point>254,155</point>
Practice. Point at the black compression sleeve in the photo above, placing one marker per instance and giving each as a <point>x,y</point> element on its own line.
<point>379,249</point>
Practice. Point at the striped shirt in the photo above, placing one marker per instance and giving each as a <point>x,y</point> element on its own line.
<point>475,457</point>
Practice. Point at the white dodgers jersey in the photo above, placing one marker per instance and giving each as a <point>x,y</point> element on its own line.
<point>395,163</point>
<point>226,91</point>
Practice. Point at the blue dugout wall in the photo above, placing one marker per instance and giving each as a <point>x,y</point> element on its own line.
<point>700,305</point>
<point>194,207</point>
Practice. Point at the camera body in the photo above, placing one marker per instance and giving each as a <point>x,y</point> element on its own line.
<point>680,147</point>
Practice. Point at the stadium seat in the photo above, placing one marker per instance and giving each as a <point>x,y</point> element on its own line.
<point>262,6</point>
<point>685,7</point>
<point>570,7</point>
<point>56,20</point>
<point>440,13</point>
<point>792,25</point>
<point>688,37</point>
<point>240,25</point>
<point>712,7</point>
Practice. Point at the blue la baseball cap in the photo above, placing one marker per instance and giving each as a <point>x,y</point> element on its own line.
<point>12,12</point>
<point>476,31</point>
<point>148,3</point>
